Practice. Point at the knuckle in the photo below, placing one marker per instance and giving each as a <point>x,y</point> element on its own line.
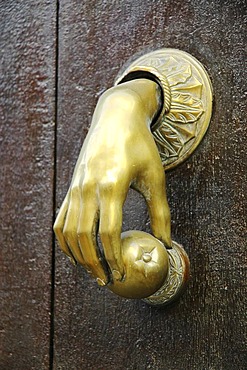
<point>74,192</point>
<point>108,186</point>
<point>87,187</point>
<point>110,233</point>
<point>56,227</point>
<point>58,222</point>
<point>105,233</point>
<point>111,226</point>
<point>84,227</point>
<point>84,232</point>
<point>68,233</point>
<point>84,192</point>
<point>112,178</point>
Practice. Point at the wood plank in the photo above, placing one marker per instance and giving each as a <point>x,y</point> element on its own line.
<point>27,111</point>
<point>206,329</point>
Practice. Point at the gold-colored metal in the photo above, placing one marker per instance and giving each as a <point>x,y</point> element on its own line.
<point>170,91</point>
<point>118,152</point>
<point>187,95</point>
<point>146,265</point>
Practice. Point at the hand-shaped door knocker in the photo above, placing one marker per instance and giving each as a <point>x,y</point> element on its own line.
<point>154,117</point>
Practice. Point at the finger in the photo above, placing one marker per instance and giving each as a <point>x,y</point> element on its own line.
<point>58,229</point>
<point>71,224</point>
<point>87,237</point>
<point>110,232</point>
<point>159,212</point>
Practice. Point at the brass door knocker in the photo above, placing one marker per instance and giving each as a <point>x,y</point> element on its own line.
<point>153,118</point>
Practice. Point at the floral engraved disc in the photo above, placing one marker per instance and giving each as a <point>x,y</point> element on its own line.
<point>187,94</point>
<point>177,279</point>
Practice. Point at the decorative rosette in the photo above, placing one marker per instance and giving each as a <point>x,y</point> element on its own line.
<point>180,122</point>
<point>187,107</point>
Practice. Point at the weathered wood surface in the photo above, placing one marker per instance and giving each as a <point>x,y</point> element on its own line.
<point>93,328</point>
<point>205,330</point>
<point>27,112</point>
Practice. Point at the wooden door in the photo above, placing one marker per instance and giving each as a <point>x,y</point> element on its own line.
<point>56,60</point>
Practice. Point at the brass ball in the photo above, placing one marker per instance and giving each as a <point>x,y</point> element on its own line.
<point>146,265</point>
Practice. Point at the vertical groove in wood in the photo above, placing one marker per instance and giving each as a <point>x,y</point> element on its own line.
<point>27,111</point>
<point>51,357</point>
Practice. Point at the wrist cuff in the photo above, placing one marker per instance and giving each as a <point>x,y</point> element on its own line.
<point>152,74</point>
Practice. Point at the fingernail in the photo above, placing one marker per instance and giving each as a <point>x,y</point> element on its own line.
<point>168,246</point>
<point>100,282</point>
<point>167,243</point>
<point>116,275</point>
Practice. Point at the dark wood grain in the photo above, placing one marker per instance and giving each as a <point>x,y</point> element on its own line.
<point>27,111</point>
<point>206,329</point>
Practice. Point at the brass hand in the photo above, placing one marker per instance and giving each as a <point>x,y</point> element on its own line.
<point>118,152</point>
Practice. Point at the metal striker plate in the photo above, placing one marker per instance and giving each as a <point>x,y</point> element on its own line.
<point>177,278</point>
<point>187,96</point>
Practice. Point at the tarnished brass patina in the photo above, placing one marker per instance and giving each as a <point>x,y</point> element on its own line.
<point>164,90</point>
